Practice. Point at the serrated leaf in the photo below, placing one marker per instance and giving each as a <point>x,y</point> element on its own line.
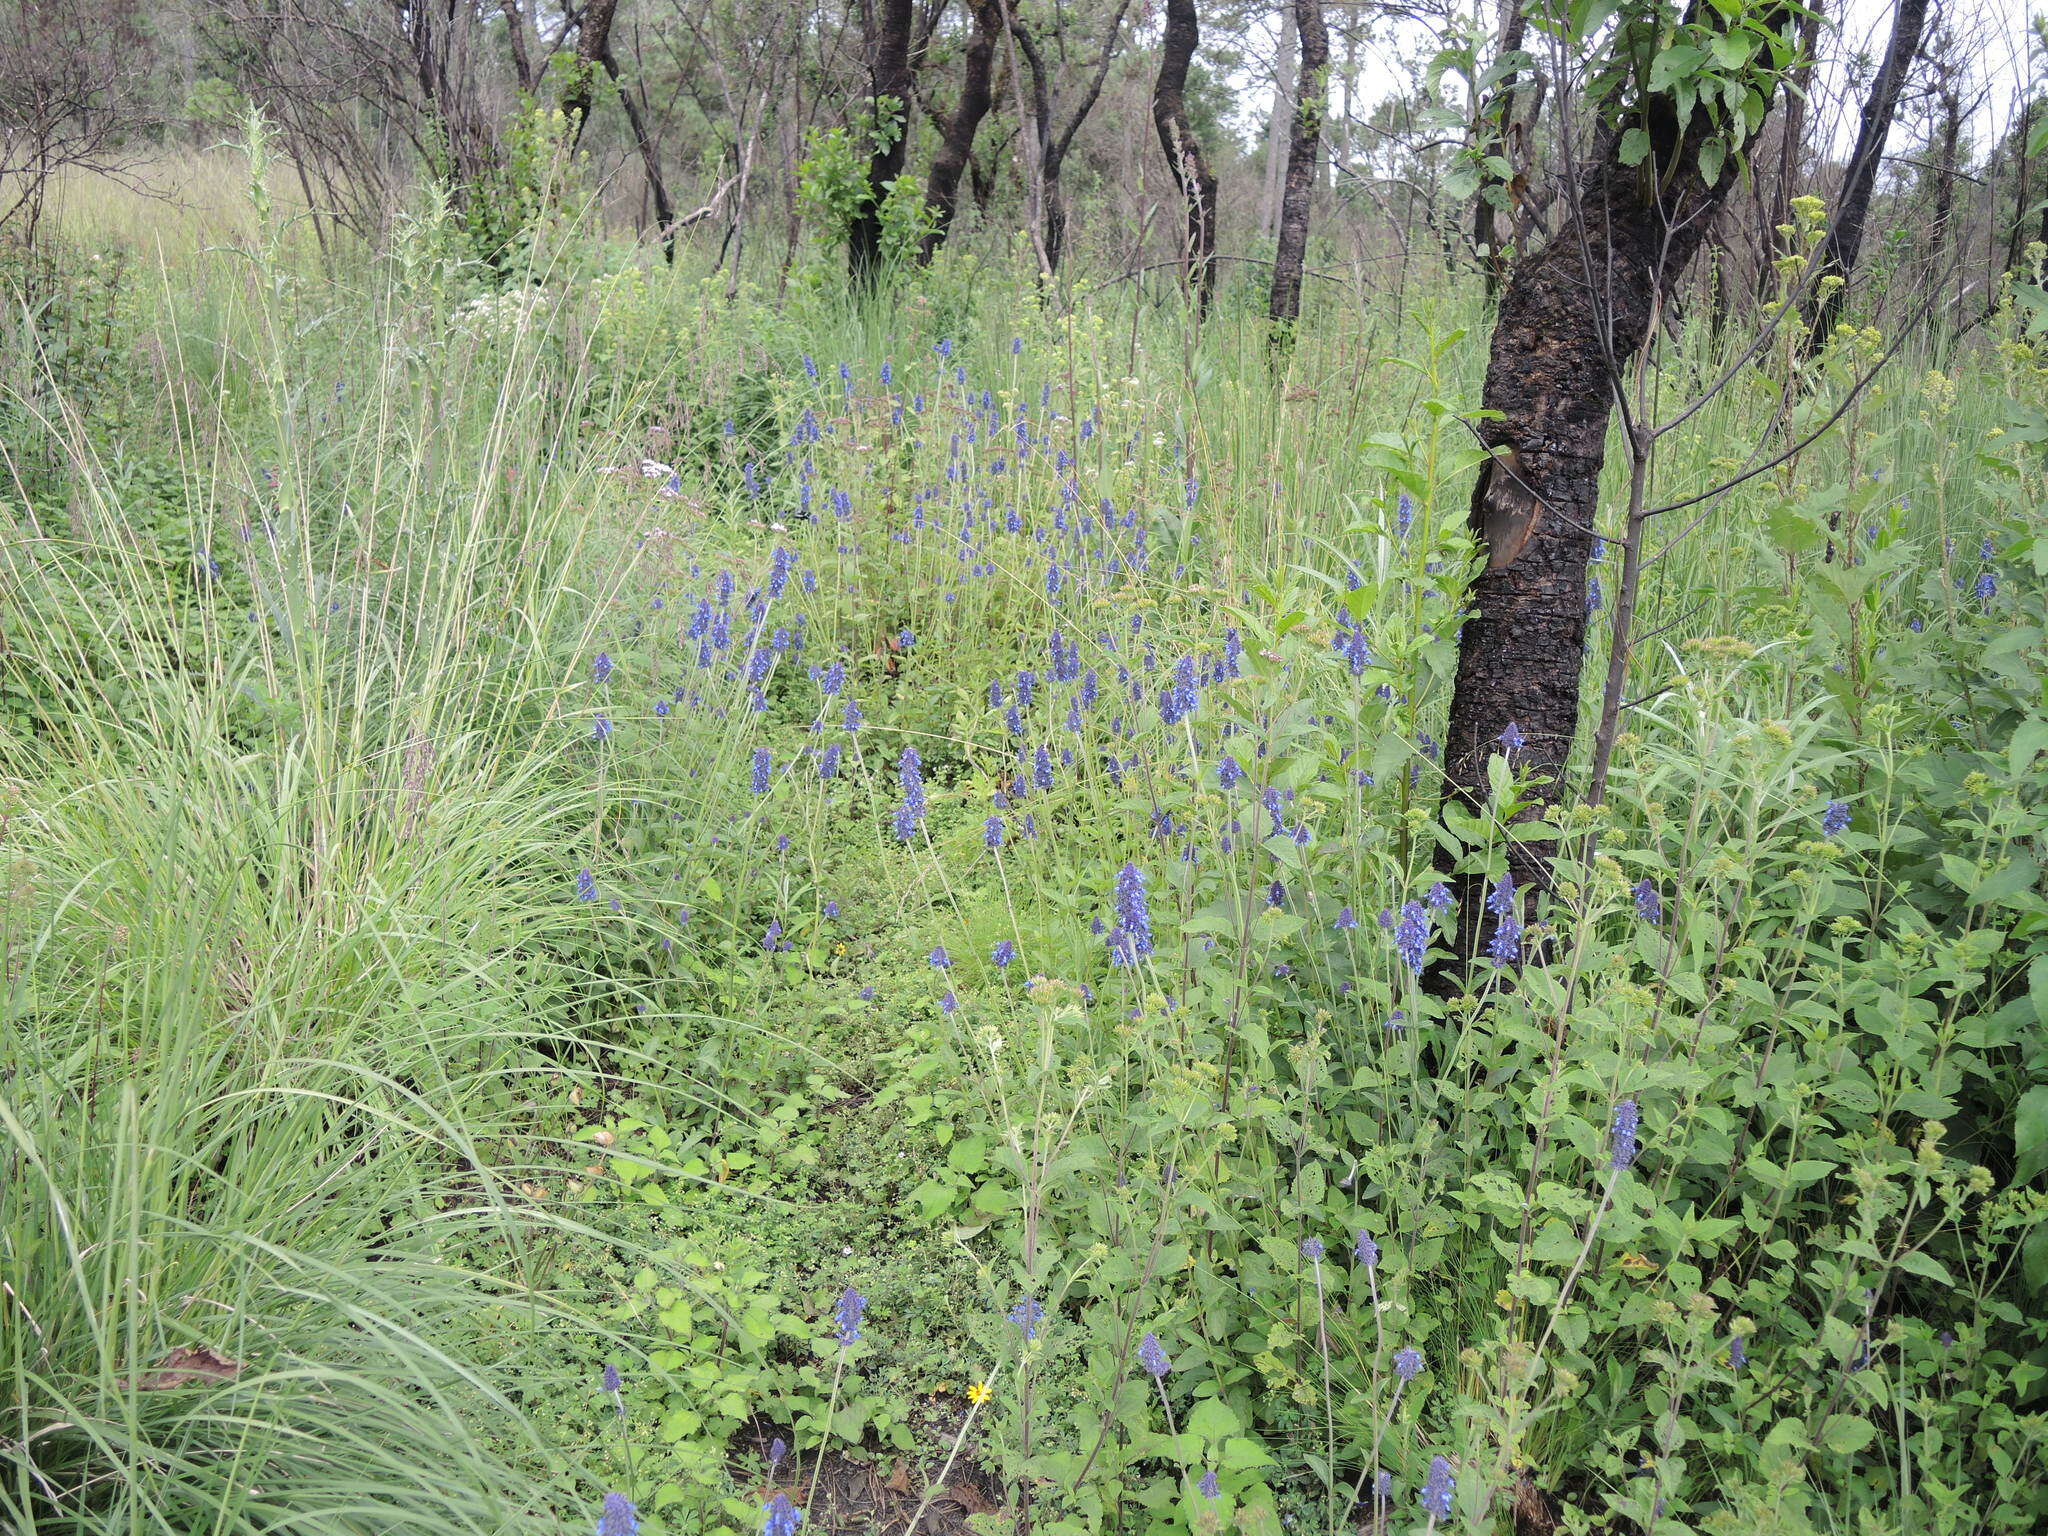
<point>1845,1434</point>
<point>1213,1420</point>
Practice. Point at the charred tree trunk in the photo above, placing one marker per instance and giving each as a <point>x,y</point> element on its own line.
<point>1304,146</point>
<point>438,34</point>
<point>515,36</point>
<point>956,149</point>
<point>1050,142</point>
<point>2022,206</point>
<point>1776,210</point>
<point>1493,141</point>
<point>1574,313</point>
<point>1838,252</point>
<point>594,52</point>
<point>889,79</point>
<point>1183,154</point>
<point>650,163</point>
<point>593,42</point>
<point>1944,180</point>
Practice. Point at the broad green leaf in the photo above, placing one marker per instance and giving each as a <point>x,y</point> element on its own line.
<point>1213,1420</point>
<point>1845,1434</point>
<point>2030,1134</point>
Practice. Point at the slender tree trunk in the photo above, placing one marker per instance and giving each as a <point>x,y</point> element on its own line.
<point>1574,313</point>
<point>1304,147</point>
<point>1183,154</point>
<point>1279,136</point>
<point>594,52</point>
<point>2016,236</point>
<point>956,148</point>
<point>1493,141</point>
<point>1844,241</point>
<point>1048,142</point>
<point>1944,180</point>
<point>650,163</point>
<point>889,76</point>
<point>515,34</point>
<point>593,42</point>
<point>1349,86</point>
<point>1777,208</point>
<point>438,36</point>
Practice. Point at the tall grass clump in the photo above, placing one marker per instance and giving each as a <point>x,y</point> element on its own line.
<point>290,826</point>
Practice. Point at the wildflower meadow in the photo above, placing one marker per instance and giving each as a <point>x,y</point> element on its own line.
<point>695,905</point>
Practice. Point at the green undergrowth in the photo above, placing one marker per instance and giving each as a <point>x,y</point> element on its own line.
<point>546,826</point>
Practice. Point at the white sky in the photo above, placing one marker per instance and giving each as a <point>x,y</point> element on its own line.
<point>1994,34</point>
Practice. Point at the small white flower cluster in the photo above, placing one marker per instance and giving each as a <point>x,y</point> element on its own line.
<point>498,316</point>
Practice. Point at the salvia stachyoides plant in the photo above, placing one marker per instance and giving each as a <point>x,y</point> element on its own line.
<point>1622,1135</point>
<point>1649,906</point>
<point>847,1314</point>
<point>1131,939</point>
<point>1505,947</point>
<point>1153,1357</point>
<point>1411,937</point>
<point>779,1517</point>
<point>1439,1489</point>
<point>618,1516</point>
<point>1259,777</point>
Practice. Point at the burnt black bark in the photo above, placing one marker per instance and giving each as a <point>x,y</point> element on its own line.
<point>439,35</point>
<point>1945,178</point>
<point>1304,146</point>
<point>1494,130</point>
<point>889,89</point>
<point>1184,157</point>
<point>956,148</point>
<point>1574,313</point>
<point>1844,241</point>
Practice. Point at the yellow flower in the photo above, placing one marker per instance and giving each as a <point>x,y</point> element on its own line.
<point>980,1393</point>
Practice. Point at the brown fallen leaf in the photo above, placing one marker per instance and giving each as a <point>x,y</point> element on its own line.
<point>189,1365</point>
<point>899,1479</point>
<point>968,1497</point>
